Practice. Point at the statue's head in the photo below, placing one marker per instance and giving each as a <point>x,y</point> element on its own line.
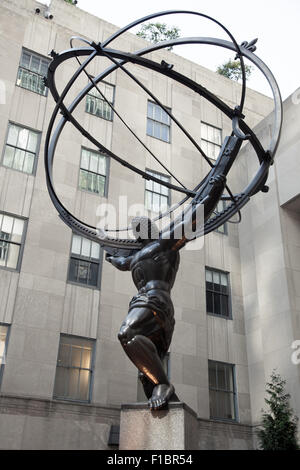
<point>144,229</point>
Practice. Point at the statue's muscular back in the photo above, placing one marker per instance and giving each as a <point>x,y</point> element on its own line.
<point>152,263</point>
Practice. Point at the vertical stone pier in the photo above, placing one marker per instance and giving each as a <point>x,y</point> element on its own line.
<point>174,428</point>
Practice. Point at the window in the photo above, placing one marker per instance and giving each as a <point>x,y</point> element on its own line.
<point>222,391</point>
<point>74,368</point>
<point>217,293</point>
<point>3,347</point>
<point>32,69</point>
<point>220,207</point>
<point>84,265</point>
<point>157,196</point>
<point>96,105</point>
<point>158,122</point>
<point>21,149</point>
<point>11,240</point>
<point>211,140</point>
<point>92,174</point>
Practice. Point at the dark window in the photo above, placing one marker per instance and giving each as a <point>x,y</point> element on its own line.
<point>92,174</point>
<point>158,122</point>
<point>32,69</point>
<point>84,265</point>
<point>74,368</point>
<point>157,196</point>
<point>217,292</point>
<point>3,347</point>
<point>96,105</point>
<point>21,148</point>
<point>211,140</point>
<point>222,390</point>
<point>11,240</point>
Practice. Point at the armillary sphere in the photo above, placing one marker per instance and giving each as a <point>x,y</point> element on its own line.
<point>240,130</point>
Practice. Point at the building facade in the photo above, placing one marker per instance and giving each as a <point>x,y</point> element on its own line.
<point>63,373</point>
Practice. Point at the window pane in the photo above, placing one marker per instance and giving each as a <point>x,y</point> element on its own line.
<point>73,382</point>
<point>7,224</point>
<point>150,109</point>
<point>150,130</point>
<point>32,141</point>
<point>35,64</point>
<point>25,59</point>
<point>217,304</point>
<point>8,156</point>
<point>209,302</point>
<point>17,230</point>
<point>86,247</point>
<point>94,163</point>
<point>12,256</point>
<point>95,253</point>
<point>19,160</point>
<point>82,271</point>
<point>84,385</point>
<point>28,163</point>
<point>76,244</point>
<point>85,159</point>
<point>23,138</point>
<point>75,356</point>
<point>157,127</point>
<point>60,389</point>
<point>64,355</point>
<point>213,404</point>
<point>102,165</point>
<point>83,179</point>
<point>3,335</point>
<point>224,305</point>
<point>208,275</point>
<point>12,135</point>
<point>86,358</point>
<point>94,269</point>
<point>212,377</point>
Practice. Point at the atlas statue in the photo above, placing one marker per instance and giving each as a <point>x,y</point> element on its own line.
<point>152,255</point>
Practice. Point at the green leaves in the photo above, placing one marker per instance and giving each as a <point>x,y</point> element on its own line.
<point>278,430</point>
<point>158,32</point>
<point>232,69</point>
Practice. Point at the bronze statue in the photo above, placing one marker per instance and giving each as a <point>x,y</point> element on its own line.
<point>153,259</point>
<point>146,332</point>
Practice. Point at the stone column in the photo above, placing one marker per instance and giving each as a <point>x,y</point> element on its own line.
<point>174,428</point>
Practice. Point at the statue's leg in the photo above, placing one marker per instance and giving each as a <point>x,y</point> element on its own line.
<point>136,334</point>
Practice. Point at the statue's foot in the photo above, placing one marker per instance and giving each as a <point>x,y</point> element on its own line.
<point>160,396</point>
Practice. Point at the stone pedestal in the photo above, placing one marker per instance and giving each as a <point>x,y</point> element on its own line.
<point>174,428</point>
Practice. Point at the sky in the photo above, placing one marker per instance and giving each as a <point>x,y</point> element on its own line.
<point>274,22</point>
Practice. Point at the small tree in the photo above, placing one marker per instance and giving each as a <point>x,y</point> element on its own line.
<point>157,32</point>
<point>232,69</point>
<point>279,426</point>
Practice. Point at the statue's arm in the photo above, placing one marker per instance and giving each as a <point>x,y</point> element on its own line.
<point>190,226</point>
<point>120,262</point>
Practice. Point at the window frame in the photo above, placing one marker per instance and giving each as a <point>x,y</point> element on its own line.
<point>21,244</point>
<point>229,317</point>
<point>100,98</point>
<point>40,56</point>
<point>88,260</point>
<point>37,153</point>
<point>159,122</point>
<point>209,141</point>
<point>2,365</point>
<point>234,392</point>
<point>92,370</point>
<point>147,170</point>
<point>107,169</point>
